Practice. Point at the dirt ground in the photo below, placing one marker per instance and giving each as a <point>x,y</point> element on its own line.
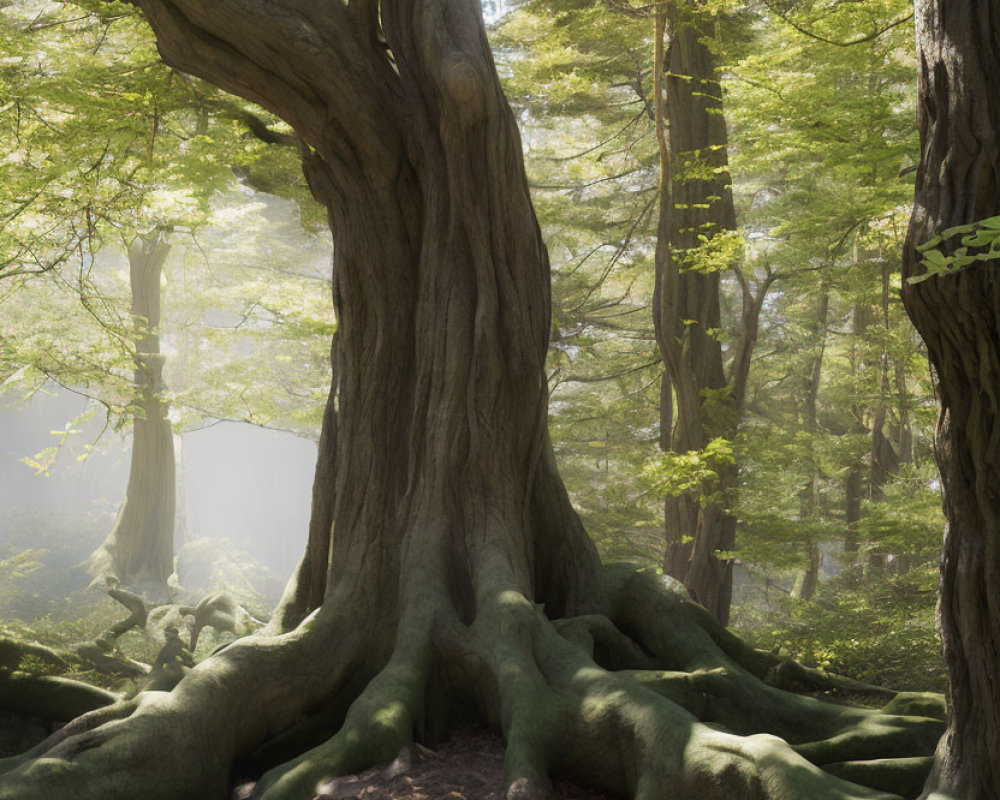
<point>469,766</point>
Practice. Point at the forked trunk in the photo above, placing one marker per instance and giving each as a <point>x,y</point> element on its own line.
<point>958,316</point>
<point>692,140</point>
<point>139,551</point>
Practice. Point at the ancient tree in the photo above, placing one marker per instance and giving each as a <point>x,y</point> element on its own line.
<point>457,582</point>
<point>139,550</point>
<point>958,315</point>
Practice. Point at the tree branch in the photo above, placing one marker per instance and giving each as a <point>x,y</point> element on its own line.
<point>850,42</point>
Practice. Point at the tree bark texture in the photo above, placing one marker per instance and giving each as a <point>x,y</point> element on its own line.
<point>139,550</point>
<point>958,316</point>
<point>885,461</point>
<point>459,580</point>
<point>686,310</point>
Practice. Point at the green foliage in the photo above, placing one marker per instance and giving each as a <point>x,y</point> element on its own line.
<point>907,521</point>
<point>775,467</point>
<point>103,143</point>
<point>718,252</point>
<point>879,630</point>
<point>694,473</point>
<point>982,236</point>
<point>20,564</point>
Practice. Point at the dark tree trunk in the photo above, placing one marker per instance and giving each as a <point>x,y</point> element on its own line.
<point>857,480</point>
<point>807,581</point>
<point>853,495</point>
<point>884,459</point>
<point>958,316</point>
<point>686,312</point>
<point>139,551</point>
<point>458,578</point>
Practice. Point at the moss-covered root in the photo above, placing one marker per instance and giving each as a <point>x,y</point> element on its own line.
<point>904,776</point>
<point>576,697</point>
<point>51,697</point>
<point>182,744</point>
<point>378,728</point>
<point>76,727</point>
<point>636,742</point>
<point>634,732</point>
<point>685,639</point>
<point>638,593</point>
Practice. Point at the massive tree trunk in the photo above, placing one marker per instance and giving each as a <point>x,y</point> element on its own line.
<point>459,581</point>
<point>958,316</point>
<point>139,550</point>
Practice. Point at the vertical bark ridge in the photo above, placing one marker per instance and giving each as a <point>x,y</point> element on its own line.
<point>440,285</point>
<point>958,316</point>
<point>692,137</point>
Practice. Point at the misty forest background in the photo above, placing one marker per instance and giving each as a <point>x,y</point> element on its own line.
<point>105,150</point>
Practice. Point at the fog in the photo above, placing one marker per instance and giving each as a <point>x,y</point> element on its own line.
<point>243,490</point>
<point>244,484</point>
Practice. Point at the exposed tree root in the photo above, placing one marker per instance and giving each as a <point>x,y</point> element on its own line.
<point>643,697</point>
<point>50,697</point>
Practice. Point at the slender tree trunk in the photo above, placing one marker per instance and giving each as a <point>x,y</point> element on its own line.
<point>139,550</point>
<point>853,493</point>
<point>807,581</point>
<point>181,527</point>
<point>692,138</point>
<point>902,434</point>
<point>884,459</point>
<point>958,316</point>
<point>857,478</point>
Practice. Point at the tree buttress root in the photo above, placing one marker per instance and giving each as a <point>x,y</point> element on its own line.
<point>649,699</point>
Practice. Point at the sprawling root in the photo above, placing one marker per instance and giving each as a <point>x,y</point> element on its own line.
<point>648,697</point>
<point>182,744</point>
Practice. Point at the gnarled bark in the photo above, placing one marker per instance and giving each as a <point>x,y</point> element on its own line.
<point>958,316</point>
<point>454,550</point>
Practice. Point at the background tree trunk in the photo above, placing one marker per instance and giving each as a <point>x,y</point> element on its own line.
<point>857,479</point>
<point>807,580</point>
<point>958,316</point>
<point>692,138</point>
<point>139,550</point>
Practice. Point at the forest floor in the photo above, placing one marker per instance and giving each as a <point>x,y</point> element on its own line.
<point>468,766</point>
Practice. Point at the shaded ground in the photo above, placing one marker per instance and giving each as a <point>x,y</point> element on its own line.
<point>19,733</point>
<point>469,766</point>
